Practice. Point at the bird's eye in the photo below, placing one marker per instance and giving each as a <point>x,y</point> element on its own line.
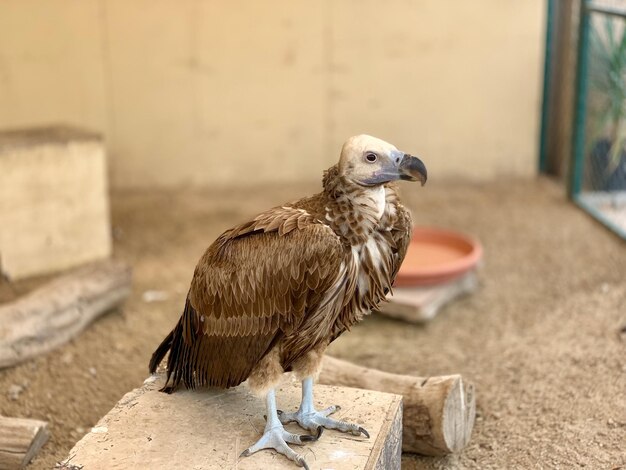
<point>371,157</point>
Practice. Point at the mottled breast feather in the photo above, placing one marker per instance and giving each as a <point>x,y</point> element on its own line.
<point>378,250</point>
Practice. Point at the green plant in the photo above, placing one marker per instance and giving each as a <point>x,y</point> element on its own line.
<point>608,79</point>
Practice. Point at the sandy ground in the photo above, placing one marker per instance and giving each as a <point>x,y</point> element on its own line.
<point>540,339</point>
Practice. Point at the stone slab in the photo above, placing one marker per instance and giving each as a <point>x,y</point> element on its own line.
<point>421,304</point>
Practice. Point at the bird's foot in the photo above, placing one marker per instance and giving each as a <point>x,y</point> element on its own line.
<point>315,420</point>
<point>277,438</point>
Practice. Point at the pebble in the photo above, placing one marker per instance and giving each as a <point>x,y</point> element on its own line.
<point>150,296</point>
<point>15,391</point>
<point>118,233</point>
<point>93,371</point>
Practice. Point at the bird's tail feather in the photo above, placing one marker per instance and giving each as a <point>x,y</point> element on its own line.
<point>174,343</point>
<point>161,351</point>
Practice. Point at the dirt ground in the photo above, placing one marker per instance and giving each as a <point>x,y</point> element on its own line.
<point>540,339</point>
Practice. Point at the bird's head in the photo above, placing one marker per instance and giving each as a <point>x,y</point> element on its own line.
<point>369,161</point>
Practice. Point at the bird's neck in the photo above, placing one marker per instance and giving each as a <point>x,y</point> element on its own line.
<point>354,211</point>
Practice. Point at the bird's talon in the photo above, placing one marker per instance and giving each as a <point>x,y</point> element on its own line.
<point>312,438</point>
<point>302,463</point>
<point>364,432</point>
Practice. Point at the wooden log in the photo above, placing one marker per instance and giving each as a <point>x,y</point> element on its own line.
<point>438,414</point>
<point>207,429</point>
<point>20,440</point>
<point>56,312</point>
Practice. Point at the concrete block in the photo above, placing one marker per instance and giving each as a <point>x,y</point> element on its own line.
<point>54,210</point>
<point>208,429</point>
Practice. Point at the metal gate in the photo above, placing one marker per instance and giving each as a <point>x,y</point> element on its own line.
<point>598,167</point>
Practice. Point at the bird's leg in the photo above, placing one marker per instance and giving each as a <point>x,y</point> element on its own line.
<point>275,437</point>
<point>309,418</point>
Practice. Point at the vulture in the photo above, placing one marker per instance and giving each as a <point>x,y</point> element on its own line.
<point>269,295</point>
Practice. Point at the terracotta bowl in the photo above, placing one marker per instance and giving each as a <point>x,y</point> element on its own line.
<point>436,256</point>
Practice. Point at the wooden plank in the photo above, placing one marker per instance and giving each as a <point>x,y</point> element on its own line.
<point>56,312</point>
<point>54,209</point>
<point>208,429</point>
<point>20,440</point>
<point>421,304</point>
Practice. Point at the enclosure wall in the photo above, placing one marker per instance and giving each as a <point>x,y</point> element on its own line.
<point>212,92</point>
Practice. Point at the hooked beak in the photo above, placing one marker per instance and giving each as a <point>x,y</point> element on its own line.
<point>412,169</point>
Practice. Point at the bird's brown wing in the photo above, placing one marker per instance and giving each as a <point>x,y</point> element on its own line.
<point>255,284</point>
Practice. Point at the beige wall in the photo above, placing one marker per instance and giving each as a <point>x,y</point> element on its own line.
<point>208,92</point>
